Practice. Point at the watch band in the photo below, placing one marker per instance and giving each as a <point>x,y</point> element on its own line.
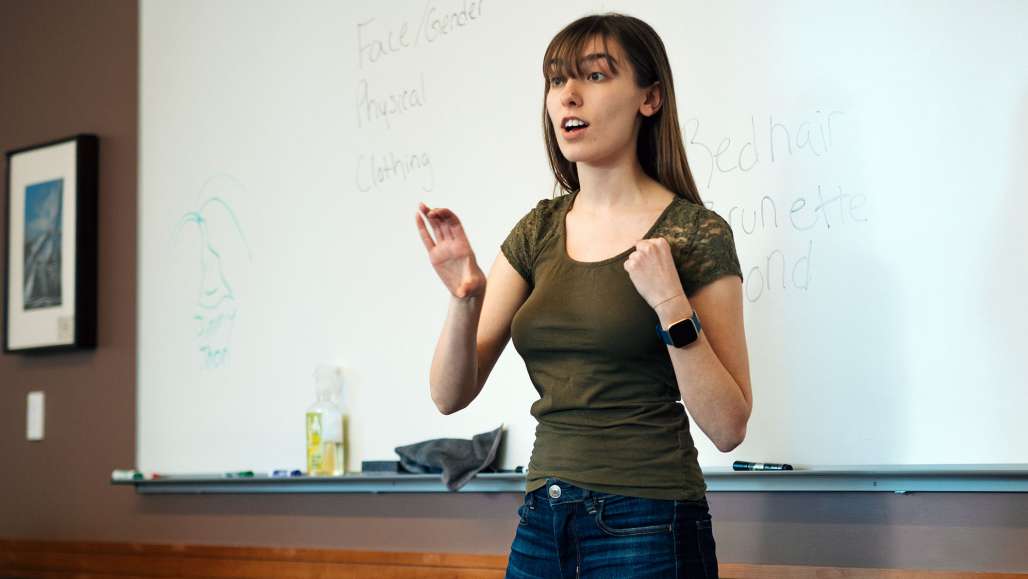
<point>694,321</point>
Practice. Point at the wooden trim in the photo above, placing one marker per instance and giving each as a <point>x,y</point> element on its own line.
<point>31,559</point>
<point>738,571</point>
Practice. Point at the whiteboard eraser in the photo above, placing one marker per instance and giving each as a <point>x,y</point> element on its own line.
<point>34,420</point>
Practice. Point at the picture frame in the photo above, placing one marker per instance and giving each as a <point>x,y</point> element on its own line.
<point>50,260</point>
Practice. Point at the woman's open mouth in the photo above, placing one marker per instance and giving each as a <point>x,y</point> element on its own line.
<point>573,126</point>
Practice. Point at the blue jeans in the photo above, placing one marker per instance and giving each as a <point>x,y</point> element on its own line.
<point>566,531</point>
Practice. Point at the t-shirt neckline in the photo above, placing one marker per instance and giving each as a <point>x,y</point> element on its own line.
<point>622,255</point>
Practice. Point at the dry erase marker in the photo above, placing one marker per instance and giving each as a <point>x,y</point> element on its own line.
<point>118,474</point>
<point>743,465</point>
<point>123,475</point>
<point>240,474</point>
<point>286,472</point>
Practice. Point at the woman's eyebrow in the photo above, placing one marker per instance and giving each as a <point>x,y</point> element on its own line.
<point>598,56</point>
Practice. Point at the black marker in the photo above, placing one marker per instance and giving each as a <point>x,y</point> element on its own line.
<point>743,465</point>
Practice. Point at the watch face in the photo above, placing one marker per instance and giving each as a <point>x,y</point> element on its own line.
<point>682,333</point>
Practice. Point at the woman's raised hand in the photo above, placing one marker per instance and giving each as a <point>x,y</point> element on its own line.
<point>450,252</point>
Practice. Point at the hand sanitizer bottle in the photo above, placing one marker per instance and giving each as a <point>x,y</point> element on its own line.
<point>327,425</point>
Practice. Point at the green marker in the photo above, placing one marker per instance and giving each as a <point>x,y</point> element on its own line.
<point>240,474</point>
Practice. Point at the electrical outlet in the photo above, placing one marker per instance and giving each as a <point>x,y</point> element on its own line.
<point>34,420</point>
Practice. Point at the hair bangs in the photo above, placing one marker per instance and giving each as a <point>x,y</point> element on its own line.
<point>563,55</point>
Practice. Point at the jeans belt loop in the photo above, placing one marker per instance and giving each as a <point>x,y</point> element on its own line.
<point>590,504</point>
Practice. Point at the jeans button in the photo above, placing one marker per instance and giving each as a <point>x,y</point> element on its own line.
<point>554,491</point>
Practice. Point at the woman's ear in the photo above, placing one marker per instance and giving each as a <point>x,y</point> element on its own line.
<point>654,100</point>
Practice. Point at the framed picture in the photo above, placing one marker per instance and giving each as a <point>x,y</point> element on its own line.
<point>50,275</point>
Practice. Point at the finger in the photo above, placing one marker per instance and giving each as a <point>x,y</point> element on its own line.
<point>447,216</point>
<point>442,232</point>
<point>451,224</point>
<point>446,220</point>
<point>457,229</point>
<point>436,223</point>
<point>443,213</point>
<point>426,238</point>
<point>454,227</point>
<point>425,211</point>
<point>438,218</point>
<point>662,246</point>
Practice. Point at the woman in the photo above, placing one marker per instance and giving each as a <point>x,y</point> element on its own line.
<point>611,336</point>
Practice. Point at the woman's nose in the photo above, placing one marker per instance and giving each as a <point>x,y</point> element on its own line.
<point>569,94</point>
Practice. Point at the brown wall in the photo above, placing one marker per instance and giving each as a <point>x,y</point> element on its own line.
<point>68,67</point>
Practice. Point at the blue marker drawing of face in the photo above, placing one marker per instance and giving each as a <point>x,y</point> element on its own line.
<point>216,305</point>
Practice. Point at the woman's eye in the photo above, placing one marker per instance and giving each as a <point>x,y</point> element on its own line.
<point>556,80</point>
<point>597,76</point>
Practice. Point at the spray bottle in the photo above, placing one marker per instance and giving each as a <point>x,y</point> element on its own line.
<point>328,441</point>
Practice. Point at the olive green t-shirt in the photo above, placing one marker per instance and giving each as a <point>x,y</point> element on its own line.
<point>609,416</point>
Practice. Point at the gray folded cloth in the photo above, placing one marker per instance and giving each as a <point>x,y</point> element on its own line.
<point>458,459</point>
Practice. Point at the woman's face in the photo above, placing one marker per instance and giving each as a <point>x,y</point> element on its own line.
<point>596,116</point>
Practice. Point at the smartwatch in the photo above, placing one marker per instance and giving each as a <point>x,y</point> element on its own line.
<point>681,333</point>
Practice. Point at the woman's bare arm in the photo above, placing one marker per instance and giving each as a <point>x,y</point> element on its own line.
<point>474,335</point>
<point>477,325</point>
<point>713,373</point>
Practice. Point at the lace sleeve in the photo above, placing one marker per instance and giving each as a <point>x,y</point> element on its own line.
<point>710,254</point>
<point>519,247</point>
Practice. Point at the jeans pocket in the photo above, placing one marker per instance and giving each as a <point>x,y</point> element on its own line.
<point>623,516</point>
<point>523,510</point>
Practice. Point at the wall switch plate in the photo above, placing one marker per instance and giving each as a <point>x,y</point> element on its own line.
<point>34,421</point>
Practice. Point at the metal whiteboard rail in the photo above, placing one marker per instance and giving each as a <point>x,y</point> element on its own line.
<point>897,479</point>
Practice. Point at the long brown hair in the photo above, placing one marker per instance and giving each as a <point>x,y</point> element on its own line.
<point>659,147</point>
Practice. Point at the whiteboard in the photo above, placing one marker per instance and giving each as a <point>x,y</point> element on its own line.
<point>870,157</point>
